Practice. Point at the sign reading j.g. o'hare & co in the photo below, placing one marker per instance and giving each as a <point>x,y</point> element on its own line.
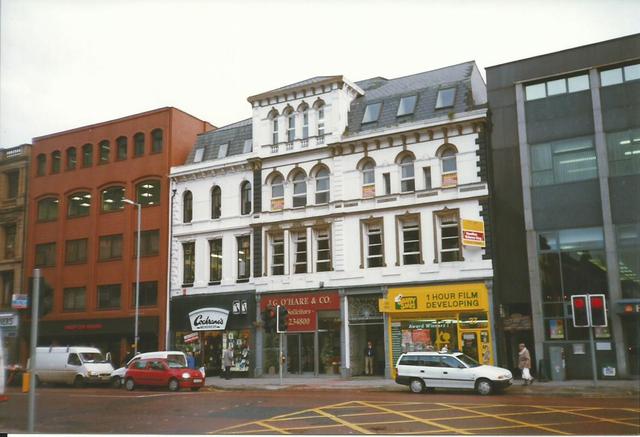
<point>208,319</point>
<point>449,297</point>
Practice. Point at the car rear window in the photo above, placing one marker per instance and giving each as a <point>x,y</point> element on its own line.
<point>139,364</point>
<point>178,359</point>
<point>410,360</point>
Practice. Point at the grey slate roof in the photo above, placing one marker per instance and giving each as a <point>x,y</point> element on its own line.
<point>425,85</point>
<point>234,135</point>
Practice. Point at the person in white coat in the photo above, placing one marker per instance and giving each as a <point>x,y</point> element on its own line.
<point>524,364</point>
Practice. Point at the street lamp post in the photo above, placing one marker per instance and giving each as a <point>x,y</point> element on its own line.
<point>135,335</point>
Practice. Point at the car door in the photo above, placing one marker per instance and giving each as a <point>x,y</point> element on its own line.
<point>157,373</point>
<point>138,372</point>
<point>455,374</point>
<point>429,371</point>
<point>71,368</point>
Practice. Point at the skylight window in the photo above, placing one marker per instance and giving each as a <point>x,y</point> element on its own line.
<point>445,98</point>
<point>198,156</point>
<point>222,151</point>
<point>371,113</point>
<point>407,105</point>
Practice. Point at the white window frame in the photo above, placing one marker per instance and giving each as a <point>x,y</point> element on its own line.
<point>277,181</point>
<point>291,127</point>
<point>323,234</point>
<point>298,196</point>
<point>407,163</point>
<point>371,228</point>
<point>320,193</point>
<point>276,240</point>
<point>409,224</point>
<point>448,220</point>
<point>274,131</point>
<point>298,237</point>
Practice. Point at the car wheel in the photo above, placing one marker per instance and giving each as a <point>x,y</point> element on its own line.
<point>174,385</point>
<point>116,382</point>
<point>195,388</point>
<point>416,385</point>
<point>78,382</point>
<point>129,384</point>
<point>484,387</point>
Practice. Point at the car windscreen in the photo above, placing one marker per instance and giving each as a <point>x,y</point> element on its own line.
<point>175,365</point>
<point>178,359</point>
<point>467,360</point>
<point>92,357</point>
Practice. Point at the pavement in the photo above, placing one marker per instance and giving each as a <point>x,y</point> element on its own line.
<point>608,388</point>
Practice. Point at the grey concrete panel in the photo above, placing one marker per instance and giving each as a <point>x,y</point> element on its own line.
<point>572,205</point>
<point>505,132</point>
<point>559,117</point>
<point>620,106</point>
<point>625,199</point>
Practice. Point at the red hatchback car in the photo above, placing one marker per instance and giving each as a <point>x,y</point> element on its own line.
<point>162,373</point>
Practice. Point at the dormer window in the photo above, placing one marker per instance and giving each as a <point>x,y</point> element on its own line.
<point>445,98</point>
<point>371,113</point>
<point>407,105</point>
<point>198,155</point>
<point>222,150</point>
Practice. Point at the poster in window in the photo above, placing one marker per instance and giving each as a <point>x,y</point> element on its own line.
<point>421,338</point>
<point>556,329</point>
<point>449,180</point>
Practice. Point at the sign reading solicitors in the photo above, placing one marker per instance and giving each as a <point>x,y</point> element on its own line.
<point>303,307</point>
<point>209,319</point>
<point>451,298</point>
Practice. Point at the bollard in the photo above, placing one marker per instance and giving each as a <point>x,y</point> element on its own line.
<point>25,381</point>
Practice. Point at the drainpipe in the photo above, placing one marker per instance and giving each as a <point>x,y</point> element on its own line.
<point>167,345</point>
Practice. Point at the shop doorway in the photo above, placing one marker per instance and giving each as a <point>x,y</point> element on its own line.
<point>476,345</point>
<point>300,352</point>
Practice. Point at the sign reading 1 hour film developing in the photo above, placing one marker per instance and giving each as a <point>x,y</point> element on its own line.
<point>436,298</point>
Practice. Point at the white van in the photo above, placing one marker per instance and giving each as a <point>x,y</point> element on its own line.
<point>117,376</point>
<point>75,365</point>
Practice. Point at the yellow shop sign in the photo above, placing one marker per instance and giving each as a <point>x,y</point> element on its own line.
<point>450,298</point>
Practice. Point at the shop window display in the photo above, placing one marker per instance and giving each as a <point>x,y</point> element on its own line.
<point>207,348</point>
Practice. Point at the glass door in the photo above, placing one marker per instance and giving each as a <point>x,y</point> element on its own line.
<point>300,353</point>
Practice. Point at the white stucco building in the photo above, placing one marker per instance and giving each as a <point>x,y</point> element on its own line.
<point>358,206</point>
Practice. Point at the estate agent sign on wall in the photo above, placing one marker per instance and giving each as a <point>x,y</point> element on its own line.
<point>209,319</point>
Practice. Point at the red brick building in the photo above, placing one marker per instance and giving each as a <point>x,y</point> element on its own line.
<point>82,235</point>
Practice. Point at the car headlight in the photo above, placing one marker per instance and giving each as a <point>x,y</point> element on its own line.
<point>91,373</point>
<point>186,375</point>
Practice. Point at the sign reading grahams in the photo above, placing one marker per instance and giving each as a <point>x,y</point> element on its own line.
<point>445,298</point>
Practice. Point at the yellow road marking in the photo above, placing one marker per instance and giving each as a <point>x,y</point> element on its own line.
<point>519,422</point>
<point>343,422</point>
<point>601,419</point>
<point>272,428</point>
<point>416,419</point>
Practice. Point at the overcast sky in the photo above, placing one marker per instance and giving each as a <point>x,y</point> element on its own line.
<point>69,63</point>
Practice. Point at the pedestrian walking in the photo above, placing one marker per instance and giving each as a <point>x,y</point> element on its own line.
<point>191,360</point>
<point>369,356</point>
<point>524,364</point>
<point>227,361</point>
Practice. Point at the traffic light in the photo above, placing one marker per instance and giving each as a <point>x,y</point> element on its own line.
<point>269,319</point>
<point>579,306</point>
<point>282,319</point>
<point>598,306</point>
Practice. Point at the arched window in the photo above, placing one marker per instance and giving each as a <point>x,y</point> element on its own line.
<point>291,124</point>
<point>368,179</point>
<point>112,199</point>
<point>148,192</point>
<point>449,167</point>
<point>48,209</point>
<point>216,202</point>
<point>121,144</point>
<point>71,158</point>
<point>319,105</point>
<point>245,198</point>
<point>156,141</point>
<point>87,155</point>
<point>55,162</point>
<point>187,207</point>
<point>138,144</point>
<point>79,204</point>
<point>273,116</point>
<point>42,164</point>
<point>105,149</point>
<point>277,193</point>
<point>322,186</point>
<point>407,181</point>
<point>299,190</point>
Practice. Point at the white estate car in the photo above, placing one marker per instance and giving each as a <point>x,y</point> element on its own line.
<point>428,370</point>
<point>117,376</point>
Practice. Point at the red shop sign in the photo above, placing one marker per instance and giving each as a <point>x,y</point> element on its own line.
<point>303,307</point>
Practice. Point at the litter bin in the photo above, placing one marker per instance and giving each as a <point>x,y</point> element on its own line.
<point>25,381</point>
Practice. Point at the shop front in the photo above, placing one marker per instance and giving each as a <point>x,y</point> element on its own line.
<point>453,317</point>
<point>207,325</point>
<point>112,336</point>
<point>312,342</point>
